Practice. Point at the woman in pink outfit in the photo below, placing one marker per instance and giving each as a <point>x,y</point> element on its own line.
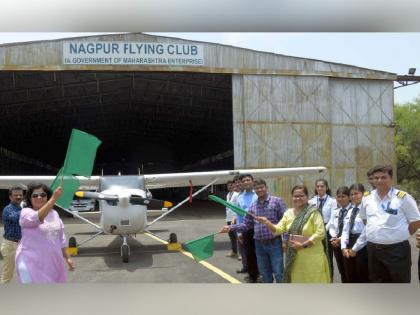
<point>41,254</point>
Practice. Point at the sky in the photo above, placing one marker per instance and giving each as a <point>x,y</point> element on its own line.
<point>391,52</point>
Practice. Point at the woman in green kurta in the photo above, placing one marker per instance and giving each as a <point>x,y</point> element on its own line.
<point>306,261</point>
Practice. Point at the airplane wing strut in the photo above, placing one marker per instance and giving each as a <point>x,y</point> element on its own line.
<point>182,202</point>
<point>80,217</point>
<point>90,238</point>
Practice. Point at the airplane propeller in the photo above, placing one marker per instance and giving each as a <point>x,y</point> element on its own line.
<point>149,202</point>
<point>95,195</point>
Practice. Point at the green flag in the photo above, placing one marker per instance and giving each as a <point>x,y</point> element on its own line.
<point>81,153</point>
<point>80,157</point>
<point>70,185</point>
<point>201,248</point>
<point>239,211</point>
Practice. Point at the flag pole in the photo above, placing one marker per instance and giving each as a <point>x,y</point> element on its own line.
<point>62,179</point>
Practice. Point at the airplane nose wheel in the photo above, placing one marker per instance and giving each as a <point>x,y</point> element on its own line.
<point>125,250</point>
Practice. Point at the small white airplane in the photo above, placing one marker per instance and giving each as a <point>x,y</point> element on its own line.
<point>123,200</point>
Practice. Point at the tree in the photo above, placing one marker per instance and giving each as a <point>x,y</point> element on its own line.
<point>407,141</point>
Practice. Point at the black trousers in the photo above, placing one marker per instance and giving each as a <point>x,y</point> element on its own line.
<point>233,240</point>
<point>356,268</point>
<point>251,258</point>
<point>418,270</point>
<point>330,253</point>
<point>340,262</point>
<point>389,263</point>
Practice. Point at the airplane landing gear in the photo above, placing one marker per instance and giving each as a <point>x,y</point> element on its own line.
<point>125,250</point>
<point>72,242</point>
<point>173,242</point>
<point>173,238</point>
<point>72,249</point>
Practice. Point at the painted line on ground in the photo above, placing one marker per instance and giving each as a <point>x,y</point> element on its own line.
<point>209,266</point>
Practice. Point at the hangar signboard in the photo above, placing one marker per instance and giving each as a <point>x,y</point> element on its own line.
<point>132,53</point>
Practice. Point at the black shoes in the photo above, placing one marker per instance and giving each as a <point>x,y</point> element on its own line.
<point>242,270</point>
<point>253,280</point>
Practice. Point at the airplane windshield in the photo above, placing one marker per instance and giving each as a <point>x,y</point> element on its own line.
<point>112,202</point>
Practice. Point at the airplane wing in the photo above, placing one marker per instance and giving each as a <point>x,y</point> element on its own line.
<point>22,181</point>
<point>155,181</point>
<point>169,180</point>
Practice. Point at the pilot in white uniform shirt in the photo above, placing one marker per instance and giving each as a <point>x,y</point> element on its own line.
<point>358,228</point>
<point>332,225</point>
<point>353,237</point>
<point>328,204</point>
<point>231,197</point>
<point>388,219</point>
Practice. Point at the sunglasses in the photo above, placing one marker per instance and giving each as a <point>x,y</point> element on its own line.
<point>42,195</point>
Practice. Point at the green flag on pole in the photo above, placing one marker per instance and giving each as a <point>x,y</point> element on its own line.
<point>80,157</point>
<point>81,153</point>
<point>201,248</point>
<point>239,211</point>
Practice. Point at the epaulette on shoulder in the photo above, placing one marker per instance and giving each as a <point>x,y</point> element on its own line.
<point>367,193</point>
<point>401,194</point>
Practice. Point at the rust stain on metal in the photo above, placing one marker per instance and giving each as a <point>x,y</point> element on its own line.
<point>8,65</point>
<point>294,122</point>
<point>26,57</point>
<point>364,159</point>
<point>339,179</point>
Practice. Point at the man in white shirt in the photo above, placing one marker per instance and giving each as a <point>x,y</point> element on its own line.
<point>390,215</point>
<point>231,197</point>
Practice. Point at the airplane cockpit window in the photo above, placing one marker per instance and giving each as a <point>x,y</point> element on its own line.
<point>112,202</point>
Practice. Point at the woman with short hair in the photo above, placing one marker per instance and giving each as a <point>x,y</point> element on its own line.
<point>335,227</point>
<point>353,241</point>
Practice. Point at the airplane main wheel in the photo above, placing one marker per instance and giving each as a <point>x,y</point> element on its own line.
<point>72,242</point>
<point>125,253</point>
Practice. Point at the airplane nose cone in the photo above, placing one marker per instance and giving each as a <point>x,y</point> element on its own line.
<point>124,201</point>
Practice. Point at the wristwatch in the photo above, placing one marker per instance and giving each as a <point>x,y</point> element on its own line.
<point>305,245</point>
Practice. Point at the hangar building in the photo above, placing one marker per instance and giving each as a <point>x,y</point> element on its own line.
<point>162,104</point>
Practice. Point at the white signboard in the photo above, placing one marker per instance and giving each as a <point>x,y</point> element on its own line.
<point>132,53</point>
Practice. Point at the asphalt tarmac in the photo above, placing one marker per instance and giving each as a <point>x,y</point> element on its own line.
<point>99,260</point>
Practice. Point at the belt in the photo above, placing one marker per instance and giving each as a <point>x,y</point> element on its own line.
<point>269,241</point>
<point>11,239</point>
<point>383,246</point>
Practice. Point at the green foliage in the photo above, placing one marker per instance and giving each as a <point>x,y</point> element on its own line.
<point>407,145</point>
